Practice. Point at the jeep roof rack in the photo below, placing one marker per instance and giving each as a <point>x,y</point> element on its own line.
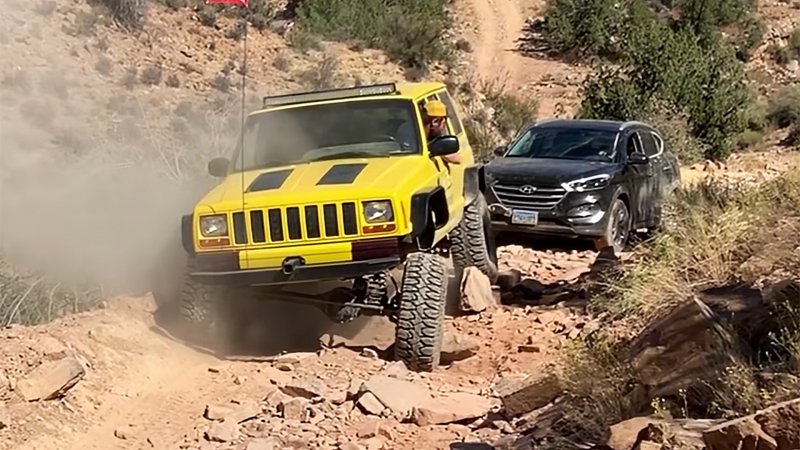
<point>330,94</point>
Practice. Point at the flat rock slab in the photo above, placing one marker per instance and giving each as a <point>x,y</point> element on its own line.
<point>51,379</point>
<point>366,331</point>
<point>400,396</point>
<point>521,395</point>
<point>450,408</point>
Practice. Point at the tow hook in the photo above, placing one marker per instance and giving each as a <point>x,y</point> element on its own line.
<point>290,264</point>
<point>497,208</point>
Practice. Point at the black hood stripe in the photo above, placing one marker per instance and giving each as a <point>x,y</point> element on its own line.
<point>270,180</point>
<point>342,174</point>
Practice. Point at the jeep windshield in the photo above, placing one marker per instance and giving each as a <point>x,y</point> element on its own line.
<point>565,143</point>
<point>352,129</point>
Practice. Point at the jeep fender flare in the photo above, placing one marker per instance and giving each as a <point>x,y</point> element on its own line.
<point>474,182</point>
<point>187,236</point>
<point>422,204</point>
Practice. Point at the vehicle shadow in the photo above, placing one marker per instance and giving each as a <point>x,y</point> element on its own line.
<point>544,243</point>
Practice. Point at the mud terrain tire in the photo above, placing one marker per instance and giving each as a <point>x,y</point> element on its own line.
<point>198,302</point>
<point>472,242</point>
<point>420,320</point>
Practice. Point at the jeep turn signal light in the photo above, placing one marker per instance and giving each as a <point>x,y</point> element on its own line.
<point>218,242</point>
<point>382,228</point>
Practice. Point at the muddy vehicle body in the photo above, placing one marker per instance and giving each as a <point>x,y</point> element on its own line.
<point>596,179</point>
<point>320,190</point>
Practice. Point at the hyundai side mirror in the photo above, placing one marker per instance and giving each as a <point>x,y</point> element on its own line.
<point>218,167</point>
<point>499,151</point>
<point>638,158</point>
<point>444,145</point>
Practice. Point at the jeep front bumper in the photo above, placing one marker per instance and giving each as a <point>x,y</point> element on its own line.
<point>297,264</point>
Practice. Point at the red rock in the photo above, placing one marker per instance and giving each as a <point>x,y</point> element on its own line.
<point>51,379</point>
<point>450,408</point>
<point>398,395</point>
<point>522,395</point>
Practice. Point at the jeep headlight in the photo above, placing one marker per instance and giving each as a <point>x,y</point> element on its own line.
<point>587,184</point>
<point>378,212</point>
<point>214,226</point>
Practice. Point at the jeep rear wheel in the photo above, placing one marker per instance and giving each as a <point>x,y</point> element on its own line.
<point>472,242</point>
<point>420,320</point>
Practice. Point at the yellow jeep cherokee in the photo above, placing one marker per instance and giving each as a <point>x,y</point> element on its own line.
<point>321,188</point>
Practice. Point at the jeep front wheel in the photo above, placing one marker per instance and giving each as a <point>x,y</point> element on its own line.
<point>472,242</point>
<point>197,302</point>
<point>420,320</point>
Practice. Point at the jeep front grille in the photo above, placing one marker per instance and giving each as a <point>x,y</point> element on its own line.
<point>295,223</point>
<point>542,197</point>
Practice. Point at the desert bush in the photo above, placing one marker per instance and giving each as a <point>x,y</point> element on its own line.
<point>790,51</point>
<point>322,76</point>
<point>104,65</point>
<point>409,31</point>
<point>151,75</point>
<point>784,107</point>
<point>511,113</point>
<point>302,40</point>
<point>128,13</point>
<point>29,298</point>
<point>481,139</point>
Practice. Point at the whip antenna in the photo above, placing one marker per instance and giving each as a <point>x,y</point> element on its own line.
<point>246,5</point>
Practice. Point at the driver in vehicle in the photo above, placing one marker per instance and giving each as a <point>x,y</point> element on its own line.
<point>434,119</point>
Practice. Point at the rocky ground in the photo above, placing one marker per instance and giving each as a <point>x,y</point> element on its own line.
<point>110,379</point>
<point>117,377</point>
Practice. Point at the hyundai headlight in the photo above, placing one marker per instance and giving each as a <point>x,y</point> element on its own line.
<point>214,226</point>
<point>587,184</point>
<point>378,212</point>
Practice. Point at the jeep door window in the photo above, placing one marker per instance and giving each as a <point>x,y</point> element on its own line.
<point>565,143</point>
<point>352,129</point>
<point>452,114</point>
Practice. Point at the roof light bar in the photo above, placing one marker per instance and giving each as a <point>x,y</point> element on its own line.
<point>330,94</point>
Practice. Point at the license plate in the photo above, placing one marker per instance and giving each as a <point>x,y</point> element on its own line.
<point>522,217</point>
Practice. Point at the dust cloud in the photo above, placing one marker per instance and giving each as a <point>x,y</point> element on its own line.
<point>94,174</point>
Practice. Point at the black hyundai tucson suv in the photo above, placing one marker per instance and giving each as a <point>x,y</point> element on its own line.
<point>592,179</point>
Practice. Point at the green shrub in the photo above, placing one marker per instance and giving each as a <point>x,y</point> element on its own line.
<point>583,27</point>
<point>409,31</point>
<point>658,65</point>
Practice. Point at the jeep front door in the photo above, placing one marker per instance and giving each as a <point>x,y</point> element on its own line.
<point>445,176</point>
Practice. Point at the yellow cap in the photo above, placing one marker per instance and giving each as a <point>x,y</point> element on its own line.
<point>435,108</point>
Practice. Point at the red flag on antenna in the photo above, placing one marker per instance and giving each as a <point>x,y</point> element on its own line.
<point>229,2</point>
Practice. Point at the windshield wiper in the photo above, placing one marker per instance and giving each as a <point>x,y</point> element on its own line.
<point>346,155</point>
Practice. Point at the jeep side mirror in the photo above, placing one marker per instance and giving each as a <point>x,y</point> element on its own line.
<point>638,158</point>
<point>444,145</point>
<point>218,167</point>
<point>499,151</point>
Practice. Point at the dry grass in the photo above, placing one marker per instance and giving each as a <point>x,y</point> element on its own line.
<point>714,230</point>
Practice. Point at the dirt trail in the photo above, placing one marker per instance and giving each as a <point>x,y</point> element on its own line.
<point>151,389</point>
<point>495,28</point>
